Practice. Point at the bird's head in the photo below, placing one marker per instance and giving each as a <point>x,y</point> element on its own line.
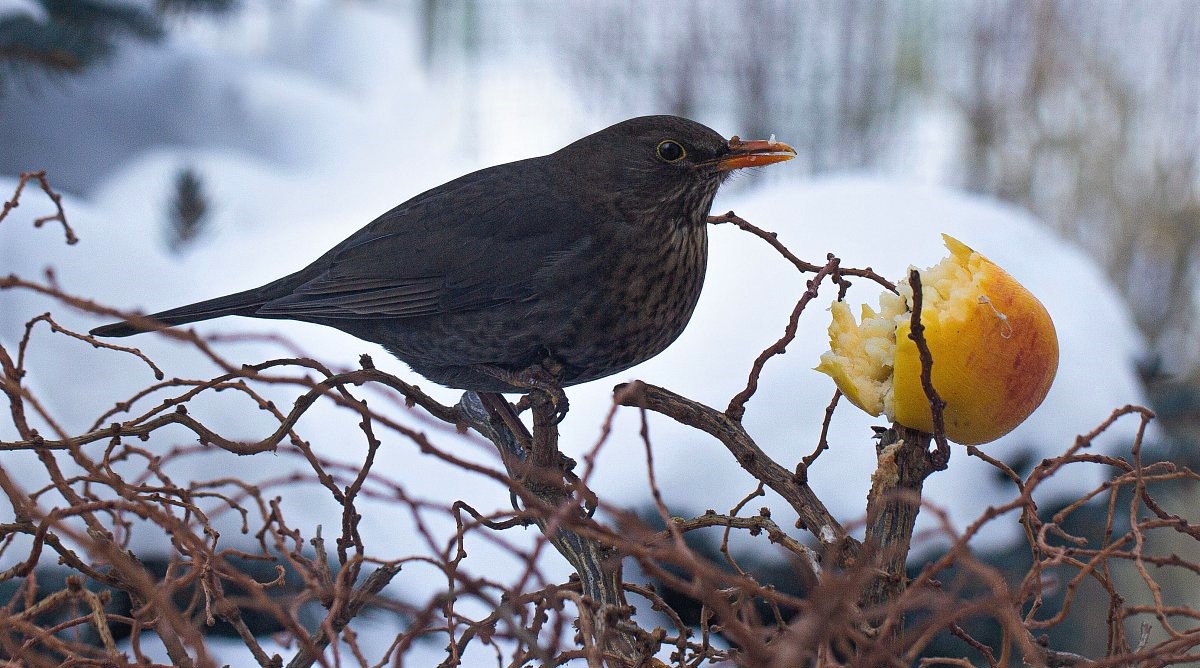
<point>664,164</point>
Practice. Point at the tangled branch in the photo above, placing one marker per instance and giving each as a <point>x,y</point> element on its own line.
<point>237,560</point>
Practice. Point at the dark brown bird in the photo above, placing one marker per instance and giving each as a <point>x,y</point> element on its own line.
<point>590,258</point>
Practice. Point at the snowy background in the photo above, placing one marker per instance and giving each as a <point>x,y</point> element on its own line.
<point>306,120</point>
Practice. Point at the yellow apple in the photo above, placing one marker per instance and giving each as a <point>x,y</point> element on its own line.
<point>994,349</point>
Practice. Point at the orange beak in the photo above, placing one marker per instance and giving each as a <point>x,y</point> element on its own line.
<point>754,153</point>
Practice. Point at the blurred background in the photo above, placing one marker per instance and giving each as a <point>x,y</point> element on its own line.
<point>188,124</point>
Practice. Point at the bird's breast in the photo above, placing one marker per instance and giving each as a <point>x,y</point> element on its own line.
<point>637,297</point>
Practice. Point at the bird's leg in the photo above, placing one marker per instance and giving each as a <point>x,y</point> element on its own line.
<point>541,450</point>
<point>549,376</point>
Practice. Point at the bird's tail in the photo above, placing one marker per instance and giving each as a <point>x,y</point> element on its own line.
<point>241,303</point>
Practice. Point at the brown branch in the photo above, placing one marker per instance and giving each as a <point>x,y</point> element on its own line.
<point>737,406</point>
<point>604,608</point>
<point>937,405</point>
<point>23,346</point>
<point>757,523</point>
<point>892,507</point>
<point>773,239</point>
<point>822,440</point>
<point>814,517</point>
<point>59,215</point>
<point>905,461</point>
<point>333,625</point>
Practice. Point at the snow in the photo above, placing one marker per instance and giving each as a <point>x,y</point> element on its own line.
<point>26,8</point>
<point>306,122</point>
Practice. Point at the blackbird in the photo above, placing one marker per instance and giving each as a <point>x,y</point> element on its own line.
<point>581,263</point>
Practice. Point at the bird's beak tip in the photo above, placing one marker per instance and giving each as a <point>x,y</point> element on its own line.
<point>755,153</point>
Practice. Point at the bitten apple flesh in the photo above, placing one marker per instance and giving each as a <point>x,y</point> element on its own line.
<point>994,349</point>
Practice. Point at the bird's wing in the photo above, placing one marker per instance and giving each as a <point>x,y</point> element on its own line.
<point>478,241</point>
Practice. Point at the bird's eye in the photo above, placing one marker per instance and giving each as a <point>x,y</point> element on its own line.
<point>670,151</point>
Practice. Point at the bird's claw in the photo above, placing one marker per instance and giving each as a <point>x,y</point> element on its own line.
<point>539,377</point>
<point>558,399</point>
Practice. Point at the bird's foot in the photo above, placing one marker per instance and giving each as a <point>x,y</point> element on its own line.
<point>542,377</point>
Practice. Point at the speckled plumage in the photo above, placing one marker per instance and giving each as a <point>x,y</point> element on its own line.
<point>593,256</point>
